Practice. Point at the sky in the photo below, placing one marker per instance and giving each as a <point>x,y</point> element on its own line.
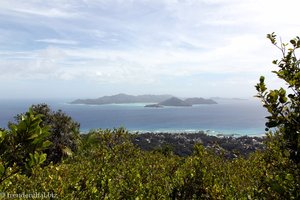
<point>92,48</point>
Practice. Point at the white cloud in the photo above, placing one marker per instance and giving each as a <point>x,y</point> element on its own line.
<point>58,41</point>
<point>141,42</point>
<point>34,65</point>
<point>46,12</point>
<point>240,54</point>
<point>56,9</point>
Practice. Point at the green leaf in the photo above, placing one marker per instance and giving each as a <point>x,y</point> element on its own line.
<point>289,177</point>
<point>272,96</point>
<point>283,99</point>
<point>42,158</point>
<point>272,38</point>
<point>293,42</point>
<point>46,144</point>
<point>33,136</point>
<point>271,124</point>
<point>298,43</point>
<point>2,136</point>
<point>261,79</point>
<point>67,151</point>
<point>2,169</point>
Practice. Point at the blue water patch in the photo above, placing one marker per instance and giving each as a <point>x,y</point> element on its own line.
<point>245,117</point>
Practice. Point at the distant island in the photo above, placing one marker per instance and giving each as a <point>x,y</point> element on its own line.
<point>195,100</point>
<point>123,98</point>
<point>157,100</point>
<point>174,101</point>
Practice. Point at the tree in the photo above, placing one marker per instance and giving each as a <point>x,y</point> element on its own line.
<point>63,132</point>
<point>21,146</point>
<point>284,105</point>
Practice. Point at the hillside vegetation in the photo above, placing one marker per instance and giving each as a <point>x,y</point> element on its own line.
<point>42,153</point>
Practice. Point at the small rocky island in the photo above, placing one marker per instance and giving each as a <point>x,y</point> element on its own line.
<point>174,101</point>
<point>158,101</point>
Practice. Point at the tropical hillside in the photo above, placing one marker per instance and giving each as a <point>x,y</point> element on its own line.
<point>43,155</point>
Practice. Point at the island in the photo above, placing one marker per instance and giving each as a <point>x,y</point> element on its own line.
<point>195,100</point>
<point>123,98</point>
<point>174,101</point>
<point>154,101</point>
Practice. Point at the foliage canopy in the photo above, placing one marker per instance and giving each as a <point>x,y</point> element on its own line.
<point>283,106</point>
<point>63,132</point>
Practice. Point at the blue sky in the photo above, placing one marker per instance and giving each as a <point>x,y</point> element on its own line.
<point>91,48</point>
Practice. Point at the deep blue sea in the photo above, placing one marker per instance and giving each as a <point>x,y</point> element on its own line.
<point>238,117</point>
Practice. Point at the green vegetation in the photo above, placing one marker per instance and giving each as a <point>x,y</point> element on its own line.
<point>284,108</point>
<point>22,145</point>
<point>63,132</point>
<point>42,152</point>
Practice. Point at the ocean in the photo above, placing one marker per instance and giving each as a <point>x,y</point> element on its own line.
<point>228,117</point>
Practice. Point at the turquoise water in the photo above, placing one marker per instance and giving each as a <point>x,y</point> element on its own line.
<point>239,117</point>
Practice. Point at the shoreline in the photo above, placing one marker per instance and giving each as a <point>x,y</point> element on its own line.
<point>208,132</point>
<point>186,131</point>
<point>182,144</point>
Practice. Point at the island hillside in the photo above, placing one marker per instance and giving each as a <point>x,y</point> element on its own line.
<point>123,98</point>
<point>195,100</point>
<point>174,101</point>
<point>158,100</point>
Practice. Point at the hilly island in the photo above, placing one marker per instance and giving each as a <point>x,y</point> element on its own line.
<point>156,100</point>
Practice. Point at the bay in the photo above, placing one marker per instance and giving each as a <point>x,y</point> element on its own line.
<point>228,117</point>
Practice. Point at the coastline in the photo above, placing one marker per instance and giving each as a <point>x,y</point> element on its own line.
<point>209,132</point>
<point>224,133</point>
<point>182,144</point>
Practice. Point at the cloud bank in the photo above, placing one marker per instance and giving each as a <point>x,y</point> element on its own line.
<point>179,46</point>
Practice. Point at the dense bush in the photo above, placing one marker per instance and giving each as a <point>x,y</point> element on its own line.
<point>63,132</point>
<point>21,146</point>
<point>109,166</point>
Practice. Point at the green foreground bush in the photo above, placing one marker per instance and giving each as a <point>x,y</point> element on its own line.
<point>109,166</point>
